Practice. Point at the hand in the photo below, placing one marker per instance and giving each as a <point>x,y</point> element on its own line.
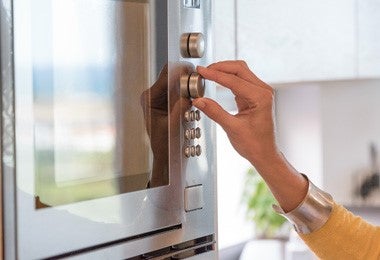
<point>157,111</point>
<point>154,102</point>
<point>251,131</point>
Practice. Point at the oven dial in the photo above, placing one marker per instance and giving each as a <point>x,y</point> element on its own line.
<point>196,85</point>
<point>192,86</point>
<point>192,45</point>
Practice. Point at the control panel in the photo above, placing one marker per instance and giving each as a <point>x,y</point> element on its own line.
<point>192,85</point>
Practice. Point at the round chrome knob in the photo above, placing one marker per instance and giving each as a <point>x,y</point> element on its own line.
<point>192,45</point>
<point>192,86</point>
<point>196,85</point>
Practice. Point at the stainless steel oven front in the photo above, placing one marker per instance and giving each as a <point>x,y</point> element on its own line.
<point>103,155</point>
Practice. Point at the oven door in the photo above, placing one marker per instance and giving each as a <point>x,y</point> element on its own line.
<point>92,131</point>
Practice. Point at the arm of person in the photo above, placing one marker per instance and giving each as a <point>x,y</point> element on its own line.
<point>252,133</point>
<point>344,236</point>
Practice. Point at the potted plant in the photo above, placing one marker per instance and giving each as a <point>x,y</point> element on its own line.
<point>269,241</point>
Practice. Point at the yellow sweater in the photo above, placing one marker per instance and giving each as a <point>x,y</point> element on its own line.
<point>344,236</point>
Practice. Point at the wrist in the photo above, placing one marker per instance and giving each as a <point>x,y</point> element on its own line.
<point>288,186</point>
<point>312,212</point>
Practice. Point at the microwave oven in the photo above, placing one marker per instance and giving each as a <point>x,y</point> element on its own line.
<point>103,154</point>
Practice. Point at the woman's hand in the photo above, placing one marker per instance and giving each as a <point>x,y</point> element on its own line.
<point>251,131</point>
<point>154,102</point>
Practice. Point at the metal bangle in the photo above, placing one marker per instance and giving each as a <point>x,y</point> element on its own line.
<point>312,213</point>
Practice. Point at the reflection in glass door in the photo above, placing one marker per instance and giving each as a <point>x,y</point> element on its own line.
<point>95,116</point>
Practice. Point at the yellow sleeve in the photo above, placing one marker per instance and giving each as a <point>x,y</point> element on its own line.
<point>344,236</point>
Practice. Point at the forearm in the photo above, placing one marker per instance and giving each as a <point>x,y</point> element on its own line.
<point>327,228</point>
<point>288,186</point>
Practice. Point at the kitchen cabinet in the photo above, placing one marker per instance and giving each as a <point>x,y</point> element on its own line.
<point>325,130</point>
<point>369,38</point>
<point>224,30</point>
<point>292,41</point>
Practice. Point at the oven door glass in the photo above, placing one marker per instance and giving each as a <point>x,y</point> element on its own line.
<point>93,63</point>
<point>91,122</point>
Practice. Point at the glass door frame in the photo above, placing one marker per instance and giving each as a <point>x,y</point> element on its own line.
<point>54,231</point>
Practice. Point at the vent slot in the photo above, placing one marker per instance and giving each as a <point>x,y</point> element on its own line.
<point>181,251</point>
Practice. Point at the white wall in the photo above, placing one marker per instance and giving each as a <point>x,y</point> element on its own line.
<point>299,129</point>
<point>233,228</point>
<point>325,129</point>
<point>324,124</point>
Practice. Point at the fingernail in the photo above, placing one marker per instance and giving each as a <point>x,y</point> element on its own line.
<point>199,103</point>
<point>200,68</point>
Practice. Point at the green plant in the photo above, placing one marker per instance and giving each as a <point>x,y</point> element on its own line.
<point>258,201</point>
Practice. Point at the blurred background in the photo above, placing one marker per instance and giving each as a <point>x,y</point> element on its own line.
<point>323,59</point>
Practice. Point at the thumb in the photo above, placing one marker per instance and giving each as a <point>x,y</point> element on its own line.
<point>214,111</point>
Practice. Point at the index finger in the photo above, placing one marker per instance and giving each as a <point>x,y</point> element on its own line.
<point>239,68</point>
<point>238,86</point>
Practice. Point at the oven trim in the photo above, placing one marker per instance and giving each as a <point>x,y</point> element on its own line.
<point>8,176</point>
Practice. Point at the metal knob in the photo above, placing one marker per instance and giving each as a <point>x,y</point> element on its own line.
<point>192,86</point>
<point>196,85</point>
<point>192,45</point>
